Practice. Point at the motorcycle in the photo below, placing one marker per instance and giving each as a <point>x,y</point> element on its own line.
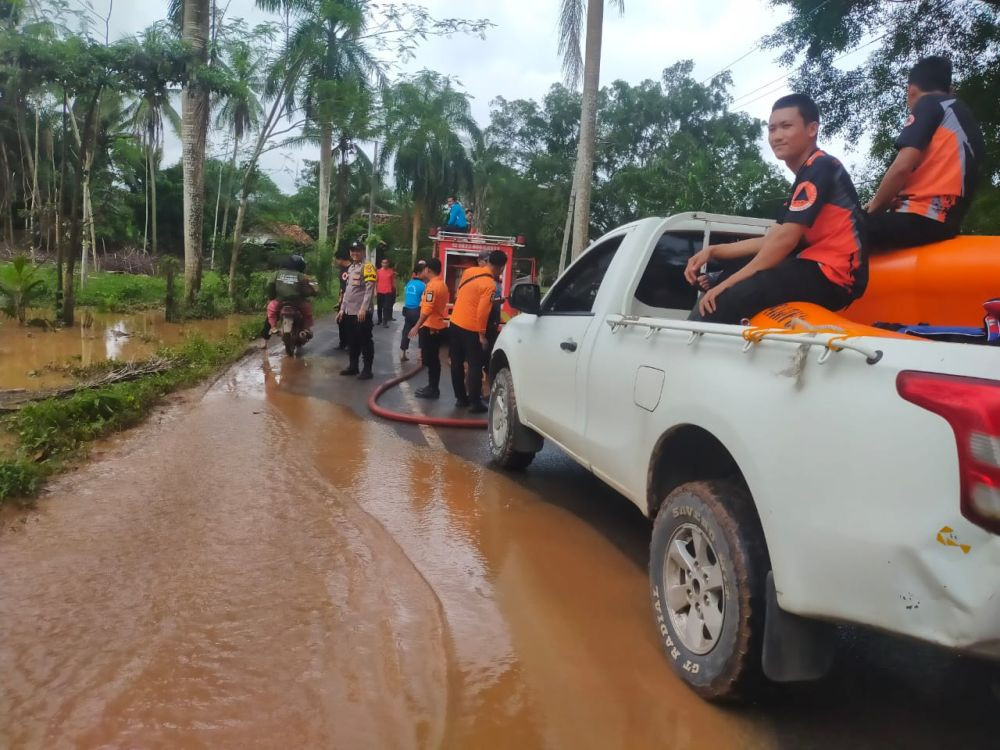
<point>294,334</point>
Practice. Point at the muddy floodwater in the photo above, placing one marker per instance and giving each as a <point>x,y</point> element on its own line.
<point>27,353</point>
<point>265,566</point>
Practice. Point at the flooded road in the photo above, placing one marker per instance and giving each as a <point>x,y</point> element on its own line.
<point>268,567</point>
<point>27,352</point>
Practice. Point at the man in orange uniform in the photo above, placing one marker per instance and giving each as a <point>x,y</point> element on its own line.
<point>430,326</point>
<point>467,338</point>
<point>927,189</point>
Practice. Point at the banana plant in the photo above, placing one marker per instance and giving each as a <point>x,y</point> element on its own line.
<point>20,289</point>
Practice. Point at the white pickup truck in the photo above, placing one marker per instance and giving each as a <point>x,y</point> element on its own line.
<point>792,484</point>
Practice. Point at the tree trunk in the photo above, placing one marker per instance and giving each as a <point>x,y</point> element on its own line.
<point>415,238</point>
<point>341,193</point>
<point>237,238</point>
<point>32,220</point>
<point>194,133</point>
<point>229,189</point>
<point>62,213</point>
<point>145,225</point>
<point>588,126</point>
<point>325,167</point>
<point>566,232</point>
<point>82,178</point>
<point>215,220</point>
<point>152,206</point>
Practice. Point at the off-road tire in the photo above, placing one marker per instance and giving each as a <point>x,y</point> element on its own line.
<point>724,513</point>
<point>501,426</point>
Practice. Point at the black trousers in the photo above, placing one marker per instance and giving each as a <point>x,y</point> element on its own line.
<point>792,280</point>
<point>452,229</point>
<point>430,345</point>
<point>385,302</point>
<point>361,345</point>
<point>464,346</point>
<point>891,230</point>
<point>410,317</point>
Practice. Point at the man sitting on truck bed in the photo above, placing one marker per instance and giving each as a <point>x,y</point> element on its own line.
<point>817,250</point>
<point>927,188</point>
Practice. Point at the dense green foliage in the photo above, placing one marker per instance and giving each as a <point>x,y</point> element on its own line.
<point>866,94</point>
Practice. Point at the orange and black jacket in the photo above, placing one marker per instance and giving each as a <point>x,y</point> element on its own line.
<point>474,299</point>
<point>941,186</point>
<point>825,202</point>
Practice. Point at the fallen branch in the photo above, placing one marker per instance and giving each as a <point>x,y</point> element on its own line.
<point>12,400</point>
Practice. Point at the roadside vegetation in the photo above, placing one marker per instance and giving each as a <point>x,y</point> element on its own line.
<point>42,437</point>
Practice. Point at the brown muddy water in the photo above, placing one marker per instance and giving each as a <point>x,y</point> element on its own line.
<point>268,570</point>
<point>26,353</point>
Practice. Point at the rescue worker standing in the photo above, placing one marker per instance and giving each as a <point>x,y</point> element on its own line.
<point>430,326</point>
<point>474,300</point>
<point>356,313</point>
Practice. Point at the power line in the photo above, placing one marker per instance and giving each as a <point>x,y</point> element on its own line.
<point>788,75</point>
<point>757,46</point>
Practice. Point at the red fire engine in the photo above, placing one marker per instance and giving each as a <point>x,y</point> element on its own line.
<point>460,251</point>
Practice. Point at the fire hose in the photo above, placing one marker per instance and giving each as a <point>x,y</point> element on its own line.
<point>397,416</point>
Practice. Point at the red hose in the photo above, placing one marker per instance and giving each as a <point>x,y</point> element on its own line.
<point>379,411</point>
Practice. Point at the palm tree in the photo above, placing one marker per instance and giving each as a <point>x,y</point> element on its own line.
<point>570,27</point>
<point>145,118</point>
<point>239,113</point>
<point>426,118</point>
<point>195,31</point>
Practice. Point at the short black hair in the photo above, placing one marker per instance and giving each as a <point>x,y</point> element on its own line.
<point>498,259</point>
<point>803,103</point>
<point>434,264</point>
<point>931,74</point>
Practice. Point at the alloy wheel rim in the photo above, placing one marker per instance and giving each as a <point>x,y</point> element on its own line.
<point>695,589</point>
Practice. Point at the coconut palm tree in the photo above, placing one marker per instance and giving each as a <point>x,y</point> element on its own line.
<point>146,119</point>
<point>571,26</point>
<point>195,31</point>
<point>427,123</point>
<point>239,113</point>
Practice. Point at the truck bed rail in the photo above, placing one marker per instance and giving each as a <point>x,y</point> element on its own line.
<point>830,338</point>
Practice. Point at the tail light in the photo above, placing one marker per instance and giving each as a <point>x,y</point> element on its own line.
<point>972,408</point>
<point>520,239</point>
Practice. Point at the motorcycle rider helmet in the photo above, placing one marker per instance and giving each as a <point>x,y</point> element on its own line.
<point>298,263</point>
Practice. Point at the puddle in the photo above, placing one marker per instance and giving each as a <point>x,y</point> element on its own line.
<point>25,350</point>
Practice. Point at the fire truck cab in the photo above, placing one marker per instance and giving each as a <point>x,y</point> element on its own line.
<point>458,252</point>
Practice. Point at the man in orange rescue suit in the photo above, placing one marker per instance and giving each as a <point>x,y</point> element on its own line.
<point>926,191</point>
<point>817,250</point>
<point>467,336</point>
<point>431,326</point>
<point>356,313</point>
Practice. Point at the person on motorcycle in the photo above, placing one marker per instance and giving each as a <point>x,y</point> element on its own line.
<point>291,286</point>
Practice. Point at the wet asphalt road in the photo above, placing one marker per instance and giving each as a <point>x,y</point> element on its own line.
<point>273,567</point>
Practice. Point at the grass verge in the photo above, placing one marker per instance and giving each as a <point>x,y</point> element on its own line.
<point>48,433</point>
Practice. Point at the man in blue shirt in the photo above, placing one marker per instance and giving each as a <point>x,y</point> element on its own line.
<point>413,292</point>
<point>457,221</point>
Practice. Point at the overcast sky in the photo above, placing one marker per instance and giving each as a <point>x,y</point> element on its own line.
<point>518,58</point>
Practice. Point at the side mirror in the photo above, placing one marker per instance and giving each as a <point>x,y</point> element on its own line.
<point>527,298</point>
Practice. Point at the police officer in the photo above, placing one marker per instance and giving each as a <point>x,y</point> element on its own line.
<point>341,264</point>
<point>356,313</point>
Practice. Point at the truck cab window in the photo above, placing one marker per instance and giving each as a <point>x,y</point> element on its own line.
<point>662,284</point>
<point>577,289</point>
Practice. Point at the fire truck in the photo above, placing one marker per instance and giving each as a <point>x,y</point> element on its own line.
<point>459,251</point>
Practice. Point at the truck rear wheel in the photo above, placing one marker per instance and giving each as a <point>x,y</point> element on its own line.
<point>707,571</point>
<point>503,423</point>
